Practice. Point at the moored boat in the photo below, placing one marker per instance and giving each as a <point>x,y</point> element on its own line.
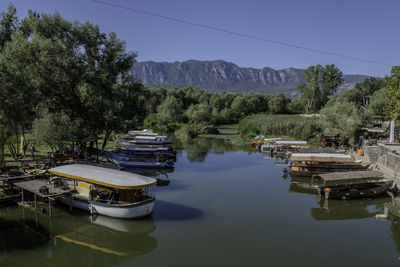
<point>308,164</point>
<point>355,184</point>
<point>284,147</point>
<point>106,191</point>
<point>146,161</point>
<point>150,140</point>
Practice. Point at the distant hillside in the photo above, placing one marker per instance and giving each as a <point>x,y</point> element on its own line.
<point>219,75</point>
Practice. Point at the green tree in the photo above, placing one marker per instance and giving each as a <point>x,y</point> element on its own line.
<point>392,92</point>
<point>341,118</point>
<point>322,83</point>
<point>55,129</point>
<point>8,25</point>
<point>377,103</point>
<point>200,113</point>
<point>170,110</point>
<point>363,91</point>
<point>278,104</point>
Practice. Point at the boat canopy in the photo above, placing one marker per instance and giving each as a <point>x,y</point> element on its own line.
<point>321,157</point>
<point>329,150</point>
<point>272,139</point>
<point>353,177</point>
<point>104,176</point>
<point>156,137</point>
<point>142,132</point>
<point>291,142</point>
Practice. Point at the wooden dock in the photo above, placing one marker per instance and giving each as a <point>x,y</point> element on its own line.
<point>34,186</point>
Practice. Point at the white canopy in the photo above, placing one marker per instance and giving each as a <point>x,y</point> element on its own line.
<point>291,142</point>
<point>156,137</point>
<point>104,176</point>
<point>272,139</point>
<point>321,157</point>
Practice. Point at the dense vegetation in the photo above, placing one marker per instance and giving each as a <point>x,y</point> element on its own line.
<point>64,81</point>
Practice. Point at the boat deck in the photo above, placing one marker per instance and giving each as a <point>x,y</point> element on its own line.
<point>352,177</point>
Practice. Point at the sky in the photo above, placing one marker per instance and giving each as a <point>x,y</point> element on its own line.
<point>363,29</point>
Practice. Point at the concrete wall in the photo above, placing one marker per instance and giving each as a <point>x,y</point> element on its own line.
<point>388,161</point>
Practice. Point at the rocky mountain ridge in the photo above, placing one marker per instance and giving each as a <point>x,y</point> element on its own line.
<point>220,75</point>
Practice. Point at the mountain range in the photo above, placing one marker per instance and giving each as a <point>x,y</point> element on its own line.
<point>219,75</point>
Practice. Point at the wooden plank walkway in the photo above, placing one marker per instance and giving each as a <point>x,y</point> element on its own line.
<point>35,185</point>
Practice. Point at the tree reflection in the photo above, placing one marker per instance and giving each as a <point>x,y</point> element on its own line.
<point>198,148</point>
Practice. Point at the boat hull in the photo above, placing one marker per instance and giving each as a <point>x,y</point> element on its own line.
<point>128,211</point>
<point>300,169</point>
<point>122,161</point>
<point>375,190</point>
<point>136,164</point>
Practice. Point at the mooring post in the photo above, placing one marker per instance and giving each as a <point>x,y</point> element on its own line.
<point>35,203</point>
<point>70,204</point>
<point>22,196</point>
<point>49,207</point>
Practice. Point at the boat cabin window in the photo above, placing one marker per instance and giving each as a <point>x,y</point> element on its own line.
<point>131,195</point>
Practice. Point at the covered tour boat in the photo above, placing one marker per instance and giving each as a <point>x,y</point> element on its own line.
<point>355,184</point>
<point>106,191</point>
<point>308,164</point>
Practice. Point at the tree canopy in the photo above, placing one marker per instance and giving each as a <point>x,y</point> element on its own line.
<point>322,83</point>
<point>392,92</point>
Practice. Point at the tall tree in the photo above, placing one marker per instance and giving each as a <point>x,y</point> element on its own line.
<point>72,68</point>
<point>322,83</point>
<point>392,92</point>
<point>8,25</point>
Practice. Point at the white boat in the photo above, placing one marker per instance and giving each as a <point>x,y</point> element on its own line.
<point>106,191</point>
<point>268,145</point>
<point>144,132</point>
<point>121,160</point>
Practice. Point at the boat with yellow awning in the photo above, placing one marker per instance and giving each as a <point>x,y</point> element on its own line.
<point>106,191</point>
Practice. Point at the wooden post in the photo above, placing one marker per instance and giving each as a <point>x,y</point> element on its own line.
<point>22,196</point>
<point>70,204</point>
<point>50,207</point>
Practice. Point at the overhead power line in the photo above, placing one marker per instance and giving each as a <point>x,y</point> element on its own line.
<point>242,34</point>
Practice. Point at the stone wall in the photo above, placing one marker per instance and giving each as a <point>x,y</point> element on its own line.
<point>388,161</point>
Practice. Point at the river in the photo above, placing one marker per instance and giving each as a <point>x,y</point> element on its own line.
<point>224,206</point>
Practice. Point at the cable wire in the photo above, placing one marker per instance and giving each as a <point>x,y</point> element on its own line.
<point>241,34</point>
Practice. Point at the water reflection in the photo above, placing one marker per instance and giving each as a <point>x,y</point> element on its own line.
<point>17,235</point>
<point>348,210</point>
<point>166,210</point>
<point>393,210</point>
<point>73,237</point>
<point>303,185</point>
<point>198,148</point>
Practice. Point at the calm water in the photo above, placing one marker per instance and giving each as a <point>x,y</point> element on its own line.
<point>223,207</point>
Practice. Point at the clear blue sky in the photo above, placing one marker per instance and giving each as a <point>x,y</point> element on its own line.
<point>359,28</point>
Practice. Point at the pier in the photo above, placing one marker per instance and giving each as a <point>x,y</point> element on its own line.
<point>34,186</point>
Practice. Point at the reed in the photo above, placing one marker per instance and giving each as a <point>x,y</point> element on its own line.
<point>294,126</point>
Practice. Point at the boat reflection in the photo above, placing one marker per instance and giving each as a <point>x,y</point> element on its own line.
<point>303,185</point>
<point>337,209</point>
<point>348,210</point>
